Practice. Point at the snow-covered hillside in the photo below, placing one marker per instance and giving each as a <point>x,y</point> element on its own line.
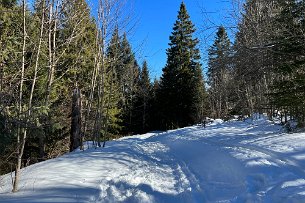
<point>225,162</point>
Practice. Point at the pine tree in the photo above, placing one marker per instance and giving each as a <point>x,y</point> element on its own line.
<point>181,86</point>
<point>47,52</point>
<point>219,73</point>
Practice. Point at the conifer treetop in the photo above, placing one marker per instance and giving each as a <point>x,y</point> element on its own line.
<point>182,42</point>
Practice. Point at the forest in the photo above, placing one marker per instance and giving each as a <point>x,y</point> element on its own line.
<point>67,76</point>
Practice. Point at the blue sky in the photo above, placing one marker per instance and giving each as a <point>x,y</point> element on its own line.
<point>156,18</point>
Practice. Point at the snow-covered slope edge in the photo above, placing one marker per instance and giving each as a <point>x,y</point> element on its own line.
<point>225,162</point>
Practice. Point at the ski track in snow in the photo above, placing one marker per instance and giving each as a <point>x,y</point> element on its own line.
<point>225,162</point>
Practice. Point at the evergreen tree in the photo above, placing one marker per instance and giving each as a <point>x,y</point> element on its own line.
<point>181,86</point>
<point>10,36</point>
<point>128,76</point>
<point>8,3</point>
<point>219,74</point>
<point>71,55</point>
<point>113,109</point>
<point>78,37</point>
<point>289,52</point>
<point>15,53</point>
<point>114,53</point>
<point>46,53</point>
<point>154,113</point>
<point>142,105</point>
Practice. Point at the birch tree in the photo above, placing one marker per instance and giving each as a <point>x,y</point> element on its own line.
<point>109,15</point>
<point>21,134</point>
<point>253,63</point>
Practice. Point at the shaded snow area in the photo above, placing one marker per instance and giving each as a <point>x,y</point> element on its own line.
<point>252,161</point>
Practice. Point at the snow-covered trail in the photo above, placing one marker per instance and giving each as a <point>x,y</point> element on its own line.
<point>225,162</point>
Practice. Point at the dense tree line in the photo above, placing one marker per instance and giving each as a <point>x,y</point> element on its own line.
<point>289,59</point>
<point>263,69</point>
<point>62,73</point>
<point>66,77</point>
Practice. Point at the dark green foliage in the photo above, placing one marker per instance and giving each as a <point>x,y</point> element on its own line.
<point>78,43</point>
<point>74,61</point>
<point>181,87</point>
<point>143,101</point>
<point>10,49</point>
<point>48,126</point>
<point>128,75</point>
<point>154,106</point>
<point>114,54</point>
<point>10,36</point>
<point>8,3</point>
<point>289,87</point>
<point>114,62</point>
<point>220,74</point>
<point>219,56</point>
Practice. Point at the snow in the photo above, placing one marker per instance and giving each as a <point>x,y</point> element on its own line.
<point>251,161</point>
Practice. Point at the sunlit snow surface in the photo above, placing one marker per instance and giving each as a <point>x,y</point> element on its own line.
<point>252,161</point>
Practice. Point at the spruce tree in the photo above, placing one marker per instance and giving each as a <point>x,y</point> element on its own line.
<point>154,113</point>
<point>128,75</point>
<point>181,87</point>
<point>219,73</point>
<point>142,105</point>
<point>114,53</point>
<point>114,95</point>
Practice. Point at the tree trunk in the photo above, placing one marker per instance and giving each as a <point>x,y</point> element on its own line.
<point>106,122</point>
<point>75,137</point>
<point>41,144</point>
<point>53,15</point>
<point>144,115</point>
<point>20,142</point>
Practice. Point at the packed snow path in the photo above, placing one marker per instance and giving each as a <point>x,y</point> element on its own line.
<point>225,162</point>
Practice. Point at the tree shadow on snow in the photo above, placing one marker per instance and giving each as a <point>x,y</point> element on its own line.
<point>74,193</point>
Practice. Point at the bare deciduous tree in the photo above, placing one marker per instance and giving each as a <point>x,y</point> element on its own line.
<point>21,136</point>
